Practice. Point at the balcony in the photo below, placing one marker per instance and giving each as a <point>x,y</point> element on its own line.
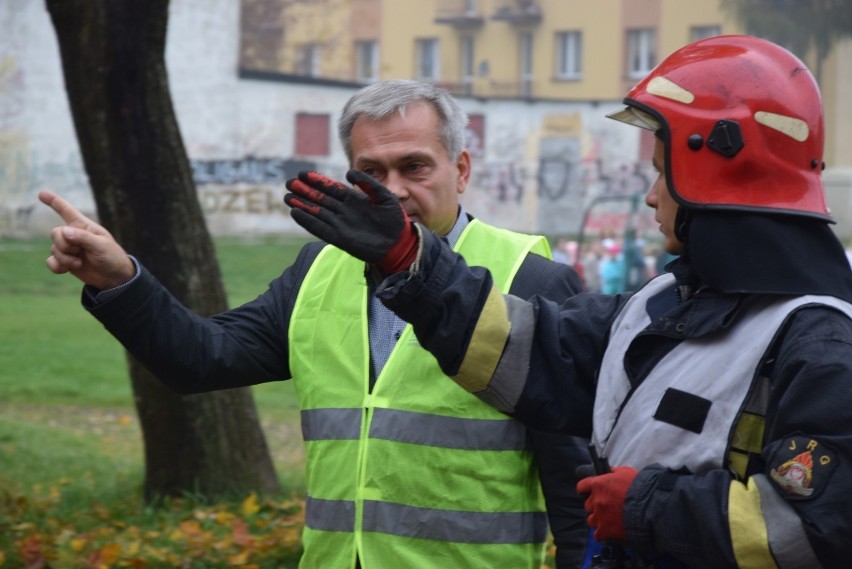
<point>458,89</point>
<point>489,89</point>
<point>518,12</point>
<point>524,89</point>
<point>460,14</point>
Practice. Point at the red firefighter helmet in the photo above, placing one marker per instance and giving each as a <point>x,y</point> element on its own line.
<point>742,123</point>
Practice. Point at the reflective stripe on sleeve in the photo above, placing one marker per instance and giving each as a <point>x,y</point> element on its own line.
<point>486,344</point>
<point>748,527</point>
<point>765,529</point>
<point>448,432</point>
<point>509,378</point>
<point>787,538</point>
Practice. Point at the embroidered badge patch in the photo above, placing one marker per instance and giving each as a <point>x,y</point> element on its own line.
<point>800,465</point>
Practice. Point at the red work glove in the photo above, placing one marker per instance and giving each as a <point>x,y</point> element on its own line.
<point>369,224</point>
<point>605,503</point>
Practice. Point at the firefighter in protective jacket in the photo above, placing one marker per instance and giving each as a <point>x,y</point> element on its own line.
<point>720,392</point>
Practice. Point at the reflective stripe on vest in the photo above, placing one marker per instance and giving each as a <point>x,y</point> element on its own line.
<point>418,457</point>
<point>415,428</point>
<point>425,523</point>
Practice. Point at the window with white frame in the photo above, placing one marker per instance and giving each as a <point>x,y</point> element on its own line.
<point>428,68</point>
<point>700,32</point>
<point>569,58</point>
<point>307,59</point>
<point>641,52</point>
<point>367,61</point>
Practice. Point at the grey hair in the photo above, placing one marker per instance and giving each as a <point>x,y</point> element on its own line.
<point>381,100</point>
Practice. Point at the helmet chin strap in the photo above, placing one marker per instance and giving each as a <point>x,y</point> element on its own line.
<point>683,218</point>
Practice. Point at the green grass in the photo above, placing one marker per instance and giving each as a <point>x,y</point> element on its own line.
<point>71,463</point>
<point>52,352</point>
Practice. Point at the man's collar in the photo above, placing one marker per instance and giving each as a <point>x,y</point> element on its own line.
<point>461,223</point>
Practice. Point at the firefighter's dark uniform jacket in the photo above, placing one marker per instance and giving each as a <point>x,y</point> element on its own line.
<point>790,505</point>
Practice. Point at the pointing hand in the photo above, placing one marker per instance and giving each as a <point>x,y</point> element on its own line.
<point>85,249</point>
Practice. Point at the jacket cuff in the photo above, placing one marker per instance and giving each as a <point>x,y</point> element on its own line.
<point>639,534</point>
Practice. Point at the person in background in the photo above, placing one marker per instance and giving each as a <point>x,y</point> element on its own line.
<point>720,392</point>
<point>395,476</point>
<point>611,267</point>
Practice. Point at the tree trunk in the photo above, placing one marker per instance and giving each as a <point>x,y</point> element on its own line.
<point>113,62</point>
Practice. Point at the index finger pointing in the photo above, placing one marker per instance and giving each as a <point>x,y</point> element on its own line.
<point>66,211</point>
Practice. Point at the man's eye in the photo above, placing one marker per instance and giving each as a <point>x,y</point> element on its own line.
<point>375,174</point>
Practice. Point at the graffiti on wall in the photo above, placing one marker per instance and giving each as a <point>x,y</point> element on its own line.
<point>245,186</point>
<point>242,201</point>
<point>11,90</point>
<point>248,170</point>
<point>498,184</point>
<point>544,182</point>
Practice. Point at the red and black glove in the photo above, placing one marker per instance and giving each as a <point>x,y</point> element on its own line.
<point>605,501</point>
<point>369,224</point>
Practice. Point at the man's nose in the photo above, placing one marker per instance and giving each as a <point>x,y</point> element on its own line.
<point>396,184</point>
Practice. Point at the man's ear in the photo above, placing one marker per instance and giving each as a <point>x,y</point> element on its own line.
<point>463,166</point>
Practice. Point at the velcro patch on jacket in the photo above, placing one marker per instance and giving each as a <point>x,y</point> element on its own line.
<point>683,410</point>
<point>800,466</point>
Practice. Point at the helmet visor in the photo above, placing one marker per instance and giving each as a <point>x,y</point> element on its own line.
<point>636,117</point>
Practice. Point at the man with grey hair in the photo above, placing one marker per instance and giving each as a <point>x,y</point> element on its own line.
<point>394,478</point>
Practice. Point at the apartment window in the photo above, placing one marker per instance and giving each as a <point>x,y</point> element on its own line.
<point>569,59</point>
<point>641,52</point>
<point>700,32</point>
<point>312,134</point>
<point>427,60</point>
<point>467,64</point>
<point>367,60</point>
<point>526,58</point>
<point>307,60</point>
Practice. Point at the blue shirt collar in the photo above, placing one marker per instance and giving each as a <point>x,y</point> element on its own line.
<point>461,223</point>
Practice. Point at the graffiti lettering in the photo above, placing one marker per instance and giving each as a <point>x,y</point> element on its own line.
<point>256,201</point>
<point>247,170</point>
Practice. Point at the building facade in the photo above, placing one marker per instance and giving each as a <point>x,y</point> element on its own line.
<point>258,86</point>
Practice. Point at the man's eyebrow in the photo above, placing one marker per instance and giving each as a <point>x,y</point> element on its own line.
<point>411,156</point>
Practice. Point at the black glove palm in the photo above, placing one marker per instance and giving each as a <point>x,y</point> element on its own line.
<point>369,224</point>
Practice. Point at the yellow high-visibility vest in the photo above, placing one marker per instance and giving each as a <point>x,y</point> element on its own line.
<point>418,472</point>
